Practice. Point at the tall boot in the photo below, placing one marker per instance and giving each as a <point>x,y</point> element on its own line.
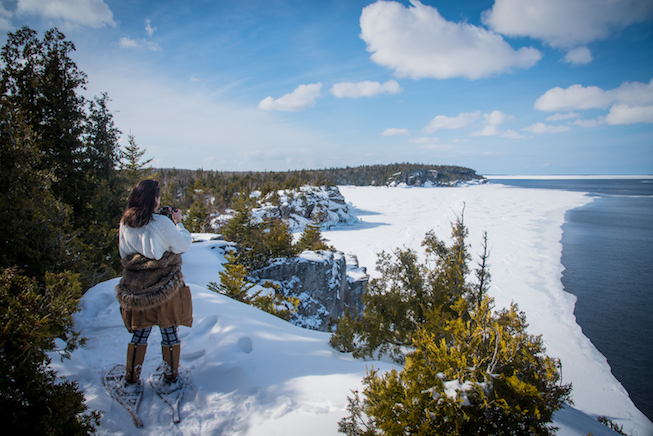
<point>135,358</point>
<point>171,355</point>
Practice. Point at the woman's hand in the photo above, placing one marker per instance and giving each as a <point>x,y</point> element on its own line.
<point>176,216</point>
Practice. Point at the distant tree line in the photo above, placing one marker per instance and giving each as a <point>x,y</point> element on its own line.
<point>205,193</point>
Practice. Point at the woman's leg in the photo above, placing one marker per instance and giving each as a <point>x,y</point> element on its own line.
<point>140,336</point>
<point>136,355</point>
<point>171,350</point>
<point>169,336</point>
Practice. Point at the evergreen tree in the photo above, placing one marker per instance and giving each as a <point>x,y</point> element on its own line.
<point>59,192</point>
<point>278,239</point>
<point>311,237</point>
<point>106,194</point>
<point>68,156</point>
<point>36,230</point>
<point>398,302</point>
<point>248,234</point>
<point>41,81</point>
<point>131,165</point>
<point>468,369</point>
<point>102,151</point>
<point>234,283</point>
<point>32,400</point>
<point>485,376</point>
<point>198,218</point>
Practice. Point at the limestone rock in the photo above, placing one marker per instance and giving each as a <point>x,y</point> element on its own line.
<point>326,283</point>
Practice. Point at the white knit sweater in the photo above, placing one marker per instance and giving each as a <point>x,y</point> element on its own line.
<point>154,239</point>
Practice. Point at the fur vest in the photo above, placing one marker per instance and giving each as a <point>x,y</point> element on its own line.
<point>147,283</point>
<point>152,292</point>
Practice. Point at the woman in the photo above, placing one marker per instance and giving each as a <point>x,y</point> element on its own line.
<point>152,290</point>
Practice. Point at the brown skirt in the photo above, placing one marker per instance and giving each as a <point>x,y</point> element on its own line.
<point>178,310</point>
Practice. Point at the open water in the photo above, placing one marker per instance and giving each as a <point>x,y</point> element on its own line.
<point>608,259</point>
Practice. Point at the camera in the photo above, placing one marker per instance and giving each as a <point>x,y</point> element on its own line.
<point>167,211</point>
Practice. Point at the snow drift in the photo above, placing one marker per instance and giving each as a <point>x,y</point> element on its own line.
<point>254,374</point>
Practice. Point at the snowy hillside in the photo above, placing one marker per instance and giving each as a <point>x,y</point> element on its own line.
<point>299,207</point>
<point>254,374</point>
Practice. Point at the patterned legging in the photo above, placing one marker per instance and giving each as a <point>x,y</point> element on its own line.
<point>168,336</point>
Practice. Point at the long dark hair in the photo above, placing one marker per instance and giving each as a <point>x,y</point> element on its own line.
<point>141,203</point>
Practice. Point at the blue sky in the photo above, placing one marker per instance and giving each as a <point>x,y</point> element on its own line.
<point>503,86</point>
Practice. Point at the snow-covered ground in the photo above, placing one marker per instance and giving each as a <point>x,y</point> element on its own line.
<point>254,374</point>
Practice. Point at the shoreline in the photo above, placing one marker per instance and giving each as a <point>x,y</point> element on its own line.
<point>569,177</point>
<point>524,228</point>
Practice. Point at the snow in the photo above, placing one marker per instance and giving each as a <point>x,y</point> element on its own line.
<point>302,203</point>
<point>254,374</point>
<point>314,256</point>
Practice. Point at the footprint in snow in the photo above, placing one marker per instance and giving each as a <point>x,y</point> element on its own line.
<point>245,345</point>
<point>204,326</point>
<point>189,357</point>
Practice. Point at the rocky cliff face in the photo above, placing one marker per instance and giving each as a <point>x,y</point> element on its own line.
<point>429,178</point>
<point>325,282</point>
<point>299,207</point>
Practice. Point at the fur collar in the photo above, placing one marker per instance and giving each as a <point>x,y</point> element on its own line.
<point>147,283</point>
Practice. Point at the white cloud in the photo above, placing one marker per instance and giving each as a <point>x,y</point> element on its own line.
<point>565,23</point>
<point>630,103</point>
<point>148,28</point>
<point>182,124</point>
<point>489,130</point>
<point>444,122</point>
<point>512,134</point>
<point>495,118</point>
<point>418,42</point>
<point>302,98</point>
<point>589,123</point>
<point>579,56</point>
<point>540,128</point>
<point>491,123</point>
<point>139,43</point>
<point>559,117</point>
<point>574,97</point>
<point>5,18</point>
<point>578,97</point>
<point>365,89</point>
<point>624,114</point>
<point>93,13</point>
<point>395,132</point>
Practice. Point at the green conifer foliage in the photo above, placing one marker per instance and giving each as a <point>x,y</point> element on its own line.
<point>62,198</point>
<point>275,303</point>
<point>278,240</point>
<point>311,238</point>
<point>32,316</point>
<point>258,241</point>
<point>197,218</point>
<point>408,294</point>
<point>485,376</point>
<point>76,191</point>
<point>468,368</point>
<point>40,79</point>
<point>233,280</point>
<point>234,283</point>
<point>36,230</point>
<point>248,234</point>
<point>132,165</point>
<point>105,195</point>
